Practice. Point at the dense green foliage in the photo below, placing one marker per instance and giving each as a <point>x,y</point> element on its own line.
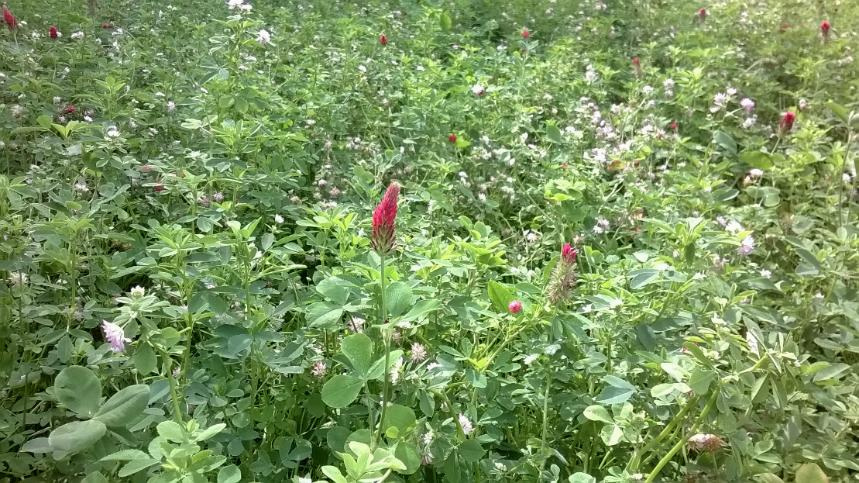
<point>188,290</point>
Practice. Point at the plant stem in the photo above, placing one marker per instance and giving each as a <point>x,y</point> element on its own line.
<point>545,419</point>
<point>677,446</point>
<point>174,395</point>
<point>387,340</point>
<point>668,429</point>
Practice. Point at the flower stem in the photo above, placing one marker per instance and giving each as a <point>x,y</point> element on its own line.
<point>387,340</point>
<point>676,448</point>
<point>174,395</point>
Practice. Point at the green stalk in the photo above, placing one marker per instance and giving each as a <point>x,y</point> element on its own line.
<point>668,429</point>
<point>679,445</point>
<point>387,340</point>
<point>545,419</point>
<point>174,395</point>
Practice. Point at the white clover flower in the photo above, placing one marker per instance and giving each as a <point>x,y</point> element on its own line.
<point>58,99</point>
<point>732,226</point>
<point>749,122</point>
<point>756,173</point>
<point>278,219</point>
<point>137,292</point>
<point>464,422</point>
<point>17,110</point>
<point>478,90</point>
<point>846,178</point>
<point>590,75</point>
<point>746,246</point>
<point>668,84</point>
<point>731,91</point>
<point>752,343</point>
<point>114,335</point>
<point>419,352</point>
<point>319,369</point>
<point>81,187</point>
<point>747,104</point>
<point>77,35</point>
<point>112,132</point>
<point>647,90</point>
<point>766,273</point>
<point>171,106</point>
<point>720,100</point>
<point>16,279</point>
<point>705,442</point>
<point>263,37</point>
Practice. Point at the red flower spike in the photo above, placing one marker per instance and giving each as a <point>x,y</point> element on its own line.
<point>526,34</point>
<point>787,120</point>
<point>825,26</point>
<point>702,14</point>
<point>70,109</point>
<point>674,126</point>
<point>636,65</point>
<point>514,307</point>
<point>384,217</point>
<point>10,20</point>
<point>569,254</point>
<point>452,138</point>
<point>383,40</point>
<point>52,32</point>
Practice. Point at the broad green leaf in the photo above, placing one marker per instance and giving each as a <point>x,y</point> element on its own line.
<point>134,466</point>
<point>726,142</point>
<point>421,308</point>
<point>398,298</point>
<point>445,22</point>
<point>37,445</point>
<point>611,434</point>
<point>95,477</point>
<point>598,413</point>
<point>401,417</point>
<point>768,478</point>
<point>124,407</point>
<point>811,473</point>
<point>471,451</point>
<point>643,277</point>
<point>409,456</point>
<point>323,315</point>
<point>78,389</point>
<point>553,134</point>
<point>229,474</point>
<point>144,359</point>
<point>500,296</point>
<point>358,348</point>
<point>334,473</point>
<point>171,431</point>
<point>209,432</point>
<point>581,478</point>
<point>839,111</point>
<point>334,289</point>
<point>616,391</point>
<point>76,436</point>
<point>126,455</point>
<point>378,369</point>
<point>830,372</point>
<point>341,390</point>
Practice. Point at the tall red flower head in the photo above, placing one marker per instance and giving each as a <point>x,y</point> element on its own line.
<point>384,218</point>
<point>452,138</point>
<point>636,65</point>
<point>52,32</point>
<point>383,40</point>
<point>825,26</point>
<point>702,14</point>
<point>514,307</point>
<point>9,18</point>
<point>787,120</point>
<point>569,254</point>
<point>526,34</point>
<point>674,126</point>
<point>70,109</point>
